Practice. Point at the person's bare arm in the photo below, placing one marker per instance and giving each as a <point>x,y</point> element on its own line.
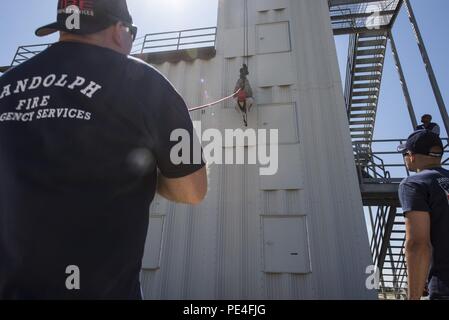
<point>191,189</point>
<point>418,252</point>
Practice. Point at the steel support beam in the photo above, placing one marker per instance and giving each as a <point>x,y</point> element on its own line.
<point>404,85</point>
<point>386,237</point>
<point>428,65</point>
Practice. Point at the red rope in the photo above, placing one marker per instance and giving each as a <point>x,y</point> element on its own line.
<point>215,102</point>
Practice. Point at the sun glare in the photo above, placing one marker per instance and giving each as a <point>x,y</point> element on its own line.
<point>174,4</point>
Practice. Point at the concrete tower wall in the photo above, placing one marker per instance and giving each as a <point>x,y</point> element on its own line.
<point>299,234</point>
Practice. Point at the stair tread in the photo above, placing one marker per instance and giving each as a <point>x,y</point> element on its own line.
<point>368,61</point>
<point>358,116</point>
<point>370,52</point>
<point>359,123</point>
<point>365,93</point>
<point>361,136</point>
<point>366,85</point>
<point>361,129</point>
<point>371,43</point>
<point>368,69</point>
<point>366,111</point>
<point>372,35</point>
<point>368,77</point>
<point>368,100</point>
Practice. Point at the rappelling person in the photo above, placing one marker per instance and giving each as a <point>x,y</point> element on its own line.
<point>244,94</point>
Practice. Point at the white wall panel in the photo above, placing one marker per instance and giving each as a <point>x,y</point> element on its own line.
<point>281,117</point>
<point>262,5</point>
<point>275,70</point>
<point>286,244</point>
<point>233,42</point>
<point>289,174</point>
<point>273,37</point>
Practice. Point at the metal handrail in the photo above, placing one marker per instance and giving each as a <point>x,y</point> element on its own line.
<point>24,53</point>
<point>177,42</point>
<point>142,44</point>
<point>346,16</point>
<point>380,168</point>
<point>352,48</point>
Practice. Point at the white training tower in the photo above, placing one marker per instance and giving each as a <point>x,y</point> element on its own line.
<point>299,234</point>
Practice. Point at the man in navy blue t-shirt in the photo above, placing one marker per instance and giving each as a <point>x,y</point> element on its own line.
<point>85,143</point>
<point>425,202</point>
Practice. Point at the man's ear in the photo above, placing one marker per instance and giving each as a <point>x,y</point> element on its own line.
<point>117,34</point>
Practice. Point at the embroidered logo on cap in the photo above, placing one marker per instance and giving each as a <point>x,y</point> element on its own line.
<point>83,7</point>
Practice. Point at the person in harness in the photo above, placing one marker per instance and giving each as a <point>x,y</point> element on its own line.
<point>244,94</point>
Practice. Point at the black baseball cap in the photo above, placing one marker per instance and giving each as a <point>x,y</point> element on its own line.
<point>422,142</point>
<point>94,16</point>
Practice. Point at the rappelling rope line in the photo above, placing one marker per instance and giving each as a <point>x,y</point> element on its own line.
<point>244,30</point>
<point>245,58</point>
<point>215,102</point>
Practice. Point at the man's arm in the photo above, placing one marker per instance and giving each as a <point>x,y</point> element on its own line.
<point>191,189</point>
<point>418,252</point>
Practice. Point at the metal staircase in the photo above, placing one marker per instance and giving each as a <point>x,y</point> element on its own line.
<point>387,247</point>
<point>368,23</point>
<point>364,77</point>
<point>385,227</point>
<point>394,268</point>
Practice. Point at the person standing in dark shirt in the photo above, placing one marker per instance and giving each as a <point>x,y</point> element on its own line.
<point>85,143</point>
<point>425,202</point>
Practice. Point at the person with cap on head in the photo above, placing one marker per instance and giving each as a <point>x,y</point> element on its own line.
<point>425,202</point>
<point>427,124</point>
<point>85,143</point>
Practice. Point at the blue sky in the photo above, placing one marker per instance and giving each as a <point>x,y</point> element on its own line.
<point>158,16</point>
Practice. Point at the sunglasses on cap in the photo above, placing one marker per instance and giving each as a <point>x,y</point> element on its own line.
<point>430,154</point>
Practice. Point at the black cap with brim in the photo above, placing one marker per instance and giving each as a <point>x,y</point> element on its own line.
<point>422,142</point>
<point>48,29</point>
<point>94,16</point>
<point>57,26</point>
<point>402,148</point>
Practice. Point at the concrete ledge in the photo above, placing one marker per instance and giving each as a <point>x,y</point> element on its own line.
<point>4,69</point>
<point>179,55</point>
<point>381,194</point>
